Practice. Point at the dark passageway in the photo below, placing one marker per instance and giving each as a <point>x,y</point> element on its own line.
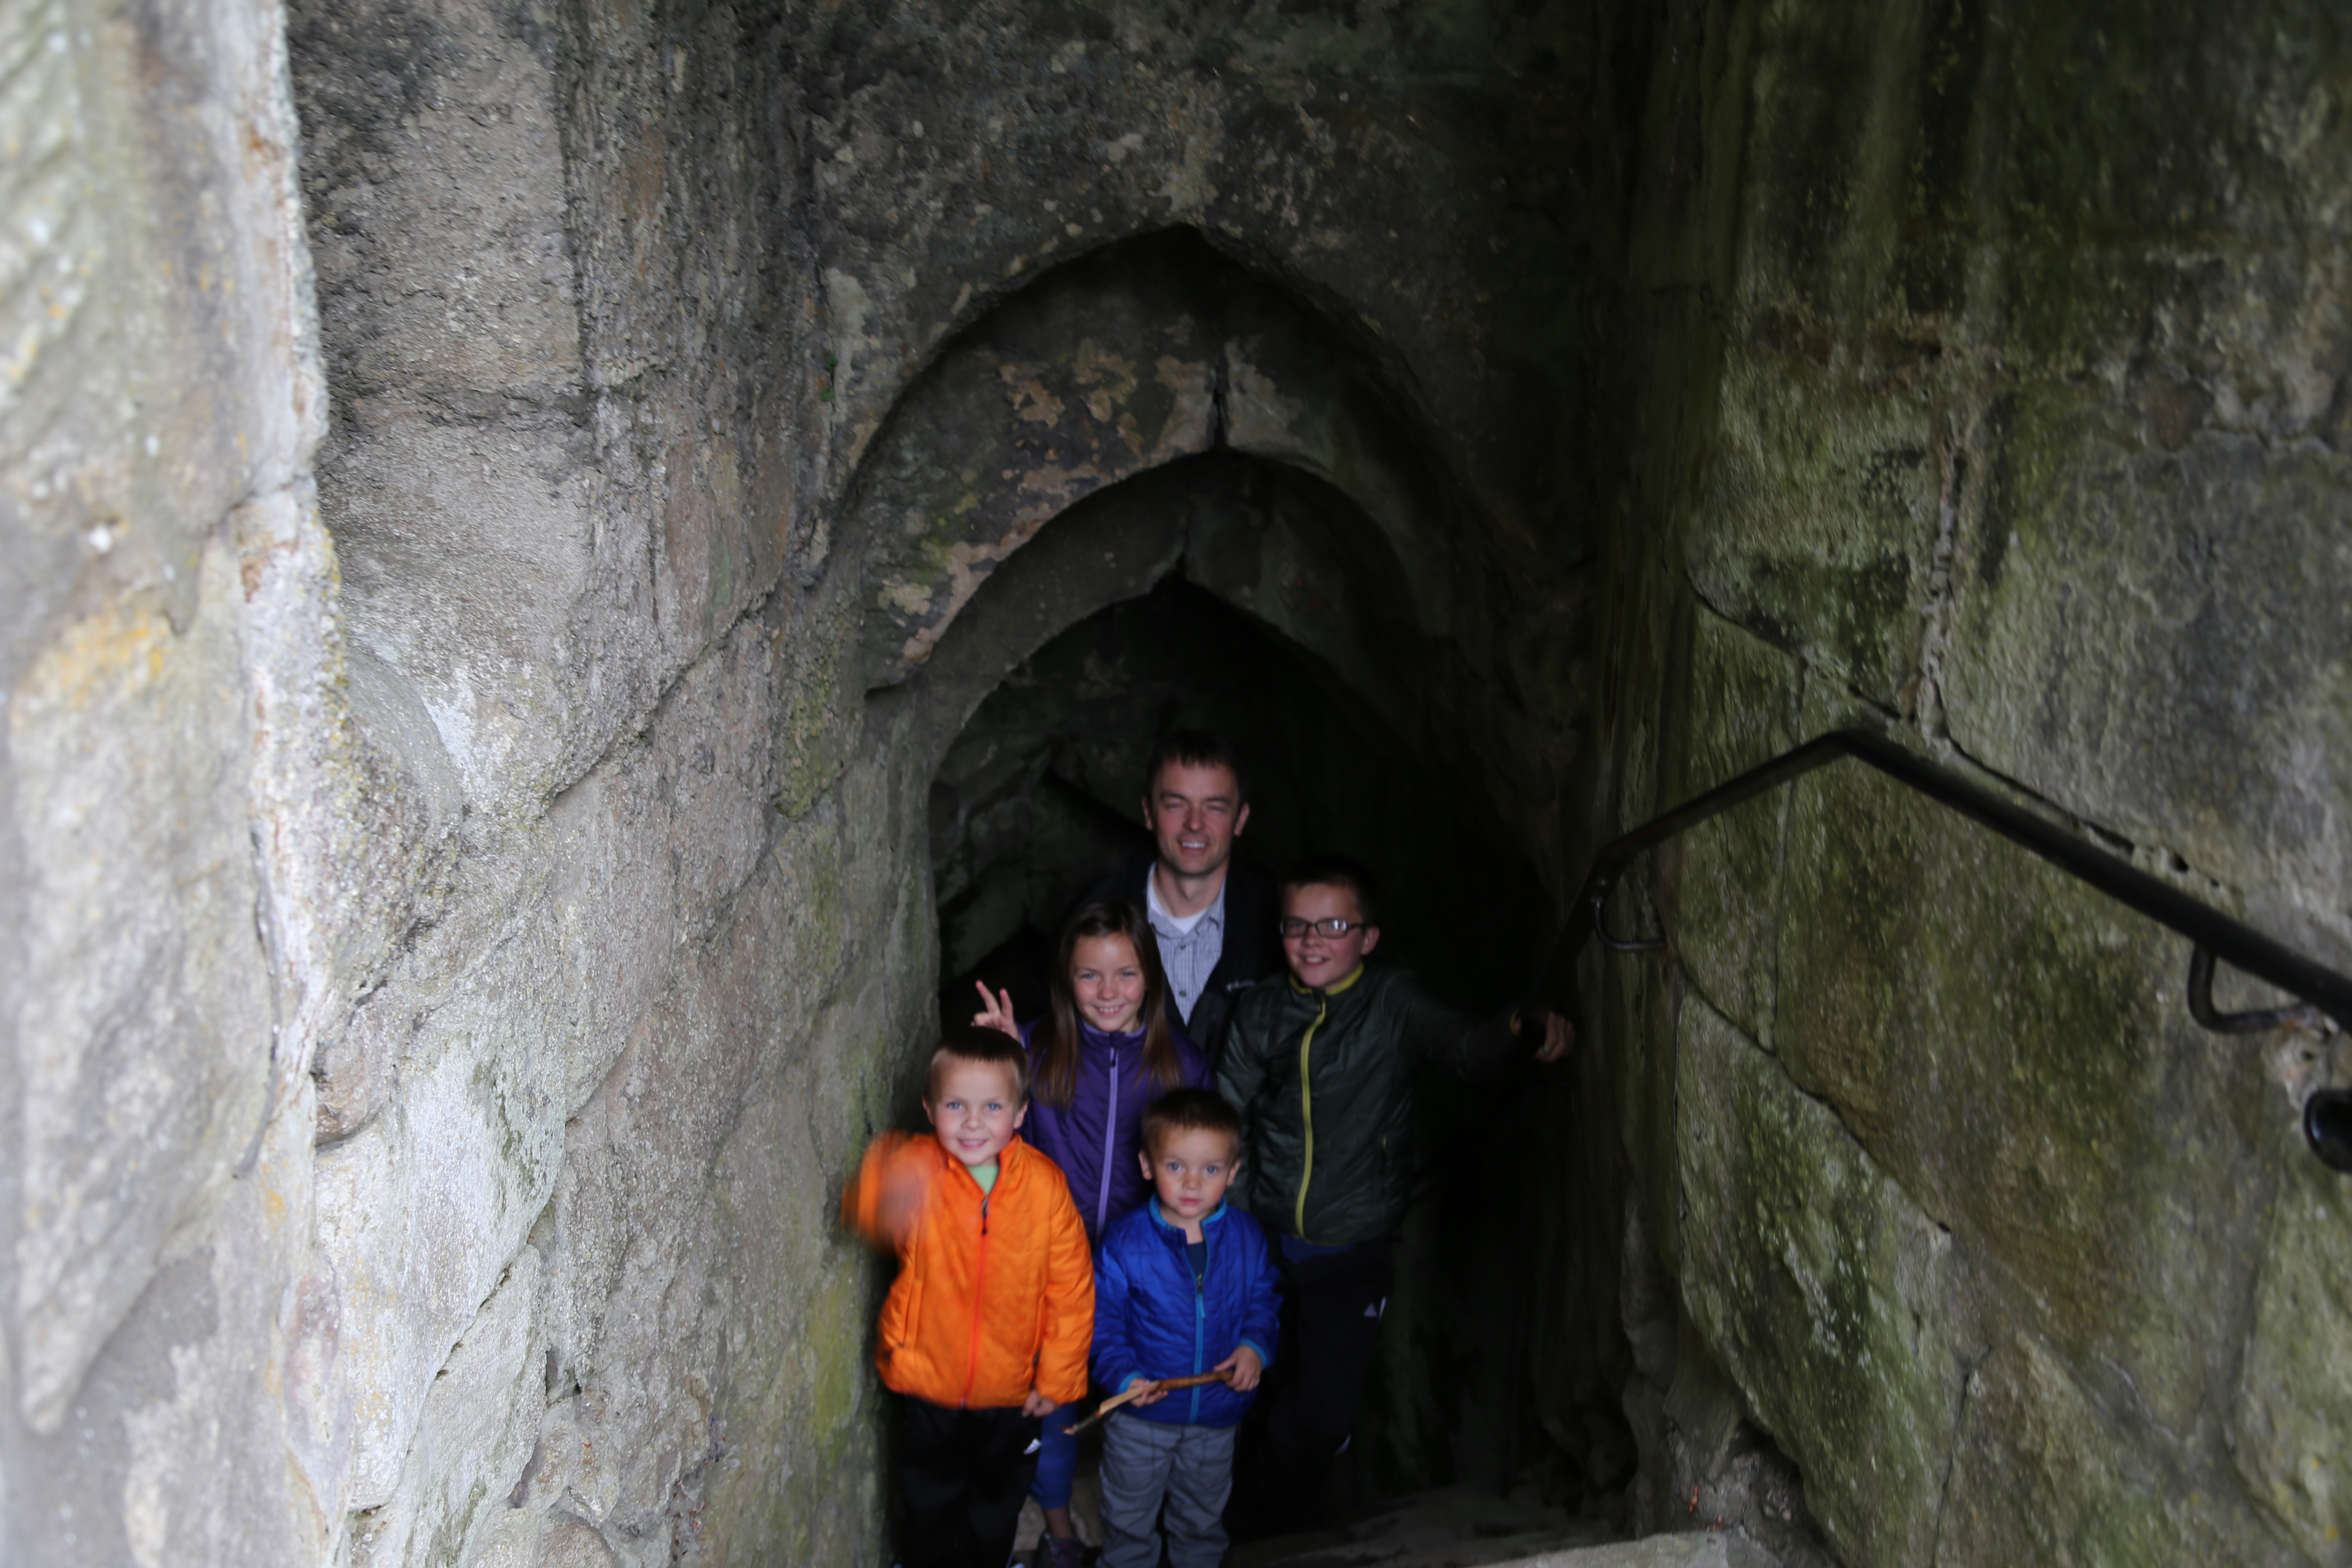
<point>574,562</point>
<point>1270,605</point>
<point>1038,795</point>
<point>1035,801</point>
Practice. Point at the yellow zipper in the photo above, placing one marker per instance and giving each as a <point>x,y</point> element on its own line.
<point>1306,1093</point>
<point>1306,1110</point>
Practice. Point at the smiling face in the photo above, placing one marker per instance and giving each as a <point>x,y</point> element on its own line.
<point>1195,812</point>
<point>1107,979</point>
<point>1190,1171</point>
<point>1318,960</point>
<point>975,1108</point>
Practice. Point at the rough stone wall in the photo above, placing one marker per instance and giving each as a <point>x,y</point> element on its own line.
<point>456,951</point>
<point>1994,395</point>
<point>179,901</point>
<point>458,933</point>
<point>578,1141</point>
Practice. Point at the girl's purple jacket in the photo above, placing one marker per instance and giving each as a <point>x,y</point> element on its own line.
<point>1095,1140</point>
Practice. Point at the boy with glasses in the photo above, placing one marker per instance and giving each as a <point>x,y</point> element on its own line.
<point>1321,1070</point>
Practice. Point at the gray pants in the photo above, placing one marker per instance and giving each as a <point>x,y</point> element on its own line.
<point>1192,1467</point>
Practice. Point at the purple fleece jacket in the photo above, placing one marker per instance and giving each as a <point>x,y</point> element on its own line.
<point>1095,1140</point>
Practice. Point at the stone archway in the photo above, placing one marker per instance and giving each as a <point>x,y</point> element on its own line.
<point>1156,420</point>
<point>1082,395</point>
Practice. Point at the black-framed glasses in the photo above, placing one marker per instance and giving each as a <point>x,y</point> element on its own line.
<point>1291,925</point>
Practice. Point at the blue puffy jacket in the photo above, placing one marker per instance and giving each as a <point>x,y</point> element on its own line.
<point>1151,1319</point>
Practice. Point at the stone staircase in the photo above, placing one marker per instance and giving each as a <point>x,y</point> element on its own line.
<point>1461,1527</point>
<point>1465,1527</point>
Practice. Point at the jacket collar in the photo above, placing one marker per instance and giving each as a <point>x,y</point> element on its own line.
<point>1010,1160</point>
<point>1346,984</point>
<point>1095,1036</point>
<point>1160,1221</point>
<point>1251,906</point>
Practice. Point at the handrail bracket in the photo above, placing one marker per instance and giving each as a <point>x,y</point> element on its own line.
<point>2302,1016</point>
<point>1621,945</point>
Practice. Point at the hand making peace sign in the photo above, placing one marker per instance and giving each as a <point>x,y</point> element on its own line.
<point>995,1012</point>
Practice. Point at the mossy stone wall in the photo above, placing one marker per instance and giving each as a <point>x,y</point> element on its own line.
<point>1992,397</point>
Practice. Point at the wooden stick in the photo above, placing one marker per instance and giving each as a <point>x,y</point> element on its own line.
<point>1138,1390</point>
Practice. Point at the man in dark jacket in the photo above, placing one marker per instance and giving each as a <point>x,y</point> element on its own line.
<point>1214,915</point>
<point>1320,1067</point>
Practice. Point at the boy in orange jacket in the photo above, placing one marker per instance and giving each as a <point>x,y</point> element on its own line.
<point>988,1322</point>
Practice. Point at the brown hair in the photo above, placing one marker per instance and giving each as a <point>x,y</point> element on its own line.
<point>1056,1041</point>
<point>971,1045</point>
<point>1190,1111</point>
<point>1195,749</point>
<point>1343,871</point>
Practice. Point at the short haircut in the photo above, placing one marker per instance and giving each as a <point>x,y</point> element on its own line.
<point>1339,871</point>
<point>1196,749</point>
<point>1190,1111</point>
<point>974,1044</point>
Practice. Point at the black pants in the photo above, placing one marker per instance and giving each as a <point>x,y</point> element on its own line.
<point>1332,1310</point>
<point>964,1474</point>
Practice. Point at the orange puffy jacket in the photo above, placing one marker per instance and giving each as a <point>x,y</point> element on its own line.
<point>995,1295</point>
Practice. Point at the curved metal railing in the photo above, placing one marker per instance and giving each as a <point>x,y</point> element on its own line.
<point>2327,995</point>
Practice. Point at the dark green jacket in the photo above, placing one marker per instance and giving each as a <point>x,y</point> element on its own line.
<point>1324,1083</point>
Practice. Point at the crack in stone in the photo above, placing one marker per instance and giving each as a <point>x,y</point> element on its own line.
<point>1952,1454</point>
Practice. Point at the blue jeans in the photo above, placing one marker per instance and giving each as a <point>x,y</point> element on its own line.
<point>1057,1458</point>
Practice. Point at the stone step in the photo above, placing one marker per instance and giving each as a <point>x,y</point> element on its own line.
<point>1694,1551</point>
<point>1465,1527</point>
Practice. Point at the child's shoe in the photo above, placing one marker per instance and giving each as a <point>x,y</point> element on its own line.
<point>1060,1552</point>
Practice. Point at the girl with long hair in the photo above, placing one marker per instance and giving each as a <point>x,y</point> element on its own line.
<point>1103,1051</point>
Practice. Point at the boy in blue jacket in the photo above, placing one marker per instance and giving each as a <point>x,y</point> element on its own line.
<point>1182,1285</point>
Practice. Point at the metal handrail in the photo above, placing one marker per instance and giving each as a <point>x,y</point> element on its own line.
<point>2327,1113</point>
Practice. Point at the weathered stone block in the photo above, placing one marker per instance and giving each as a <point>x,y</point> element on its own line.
<point>2045,1471</point>
<point>1821,522</point>
<point>143,1022</point>
<point>2155,638</point>
<point>2011,1047</point>
<point>1743,711</point>
<point>215,1363</point>
<point>1824,1288</point>
<point>473,1438</point>
<point>2294,1396</point>
<point>437,524</point>
<point>420,1213</point>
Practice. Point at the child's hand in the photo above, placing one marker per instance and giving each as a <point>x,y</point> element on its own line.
<point>1242,1369</point>
<point>1036,1405</point>
<point>1154,1396</point>
<point>995,1012</point>
<point>899,1203</point>
<point>1558,1036</point>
